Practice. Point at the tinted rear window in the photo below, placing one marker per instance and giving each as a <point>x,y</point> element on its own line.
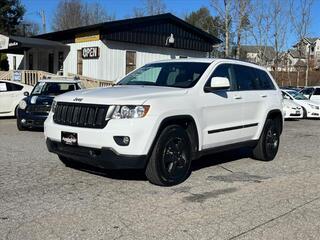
<point>246,78</point>
<point>316,91</point>
<point>265,82</point>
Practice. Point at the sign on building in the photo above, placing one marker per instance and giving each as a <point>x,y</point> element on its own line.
<point>4,42</point>
<point>17,76</point>
<point>87,37</point>
<point>90,52</point>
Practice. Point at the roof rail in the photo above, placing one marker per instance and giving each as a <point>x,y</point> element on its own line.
<point>239,60</point>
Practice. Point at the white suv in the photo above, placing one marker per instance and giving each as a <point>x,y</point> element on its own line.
<point>165,114</point>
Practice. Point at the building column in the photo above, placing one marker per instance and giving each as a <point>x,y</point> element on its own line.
<point>24,59</point>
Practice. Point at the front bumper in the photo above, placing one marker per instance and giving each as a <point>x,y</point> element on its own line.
<point>106,158</point>
<point>140,131</point>
<point>293,113</point>
<point>30,120</point>
<point>314,113</point>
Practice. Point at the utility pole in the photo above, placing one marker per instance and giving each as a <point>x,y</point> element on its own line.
<point>43,19</point>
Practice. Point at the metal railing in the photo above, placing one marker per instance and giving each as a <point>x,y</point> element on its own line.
<point>91,82</point>
<point>31,77</point>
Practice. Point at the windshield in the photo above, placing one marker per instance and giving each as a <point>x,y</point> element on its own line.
<point>296,95</point>
<point>53,88</point>
<point>173,74</point>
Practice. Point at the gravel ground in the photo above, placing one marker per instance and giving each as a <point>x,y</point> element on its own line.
<point>228,196</point>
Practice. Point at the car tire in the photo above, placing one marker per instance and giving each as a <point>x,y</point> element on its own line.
<point>20,126</point>
<point>268,144</point>
<point>170,160</point>
<point>304,113</point>
<point>16,111</point>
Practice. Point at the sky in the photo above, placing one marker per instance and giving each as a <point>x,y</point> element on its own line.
<point>123,8</point>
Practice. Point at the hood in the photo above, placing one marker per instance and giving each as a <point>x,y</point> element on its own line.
<point>40,99</point>
<point>290,104</point>
<point>304,102</point>
<point>135,95</point>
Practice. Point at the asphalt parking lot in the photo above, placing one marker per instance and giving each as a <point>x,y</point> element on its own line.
<point>228,195</point>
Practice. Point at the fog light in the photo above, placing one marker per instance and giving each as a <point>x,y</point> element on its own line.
<point>23,121</point>
<point>122,140</point>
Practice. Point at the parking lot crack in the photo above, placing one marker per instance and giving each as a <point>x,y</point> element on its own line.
<point>275,218</point>
<point>226,169</point>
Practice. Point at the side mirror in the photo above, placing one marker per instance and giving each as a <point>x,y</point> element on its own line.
<point>218,83</point>
<point>26,94</point>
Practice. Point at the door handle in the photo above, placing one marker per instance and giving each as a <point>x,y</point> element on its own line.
<point>237,97</point>
<point>264,95</point>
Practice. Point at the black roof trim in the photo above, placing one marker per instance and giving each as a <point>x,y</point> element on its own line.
<point>119,23</point>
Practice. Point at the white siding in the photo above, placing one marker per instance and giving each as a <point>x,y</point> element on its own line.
<point>111,64</point>
<point>91,67</point>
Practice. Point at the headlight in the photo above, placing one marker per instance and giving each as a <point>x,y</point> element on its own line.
<point>22,104</point>
<point>314,107</point>
<point>53,106</point>
<point>121,112</point>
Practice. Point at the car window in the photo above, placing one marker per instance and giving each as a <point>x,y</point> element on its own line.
<point>307,91</point>
<point>286,96</point>
<point>53,88</point>
<point>14,87</point>
<point>3,87</point>
<point>316,91</point>
<point>296,95</point>
<point>265,82</point>
<point>226,71</point>
<point>246,78</point>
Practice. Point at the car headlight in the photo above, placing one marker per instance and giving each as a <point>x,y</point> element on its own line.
<point>130,111</point>
<point>53,106</point>
<point>314,107</point>
<point>22,104</point>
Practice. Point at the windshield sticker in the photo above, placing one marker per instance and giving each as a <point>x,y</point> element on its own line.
<point>3,87</point>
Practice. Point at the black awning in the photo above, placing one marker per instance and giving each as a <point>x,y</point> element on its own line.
<point>17,45</point>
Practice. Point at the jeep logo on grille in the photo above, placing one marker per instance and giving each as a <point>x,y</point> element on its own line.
<point>77,99</point>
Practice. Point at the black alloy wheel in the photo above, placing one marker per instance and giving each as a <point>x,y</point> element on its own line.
<point>170,160</point>
<point>268,144</point>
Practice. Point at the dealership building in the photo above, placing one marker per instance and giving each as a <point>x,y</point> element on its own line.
<point>107,51</point>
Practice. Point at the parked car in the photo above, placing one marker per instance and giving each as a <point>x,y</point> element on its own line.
<point>312,93</point>
<point>291,110</point>
<point>310,108</point>
<point>292,88</point>
<point>34,109</point>
<point>163,115</point>
<point>11,94</point>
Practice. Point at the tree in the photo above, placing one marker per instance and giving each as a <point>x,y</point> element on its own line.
<point>4,65</point>
<point>242,21</point>
<point>224,9</point>
<point>260,27</point>
<point>75,13</point>
<point>28,29</point>
<point>300,16</point>
<point>278,11</point>
<point>11,14</point>
<point>205,21</point>
<point>150,7</point>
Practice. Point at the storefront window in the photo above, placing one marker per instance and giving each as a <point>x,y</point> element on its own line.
<point>60,61</point>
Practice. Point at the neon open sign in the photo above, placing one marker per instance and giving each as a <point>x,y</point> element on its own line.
<point>90,52</point>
